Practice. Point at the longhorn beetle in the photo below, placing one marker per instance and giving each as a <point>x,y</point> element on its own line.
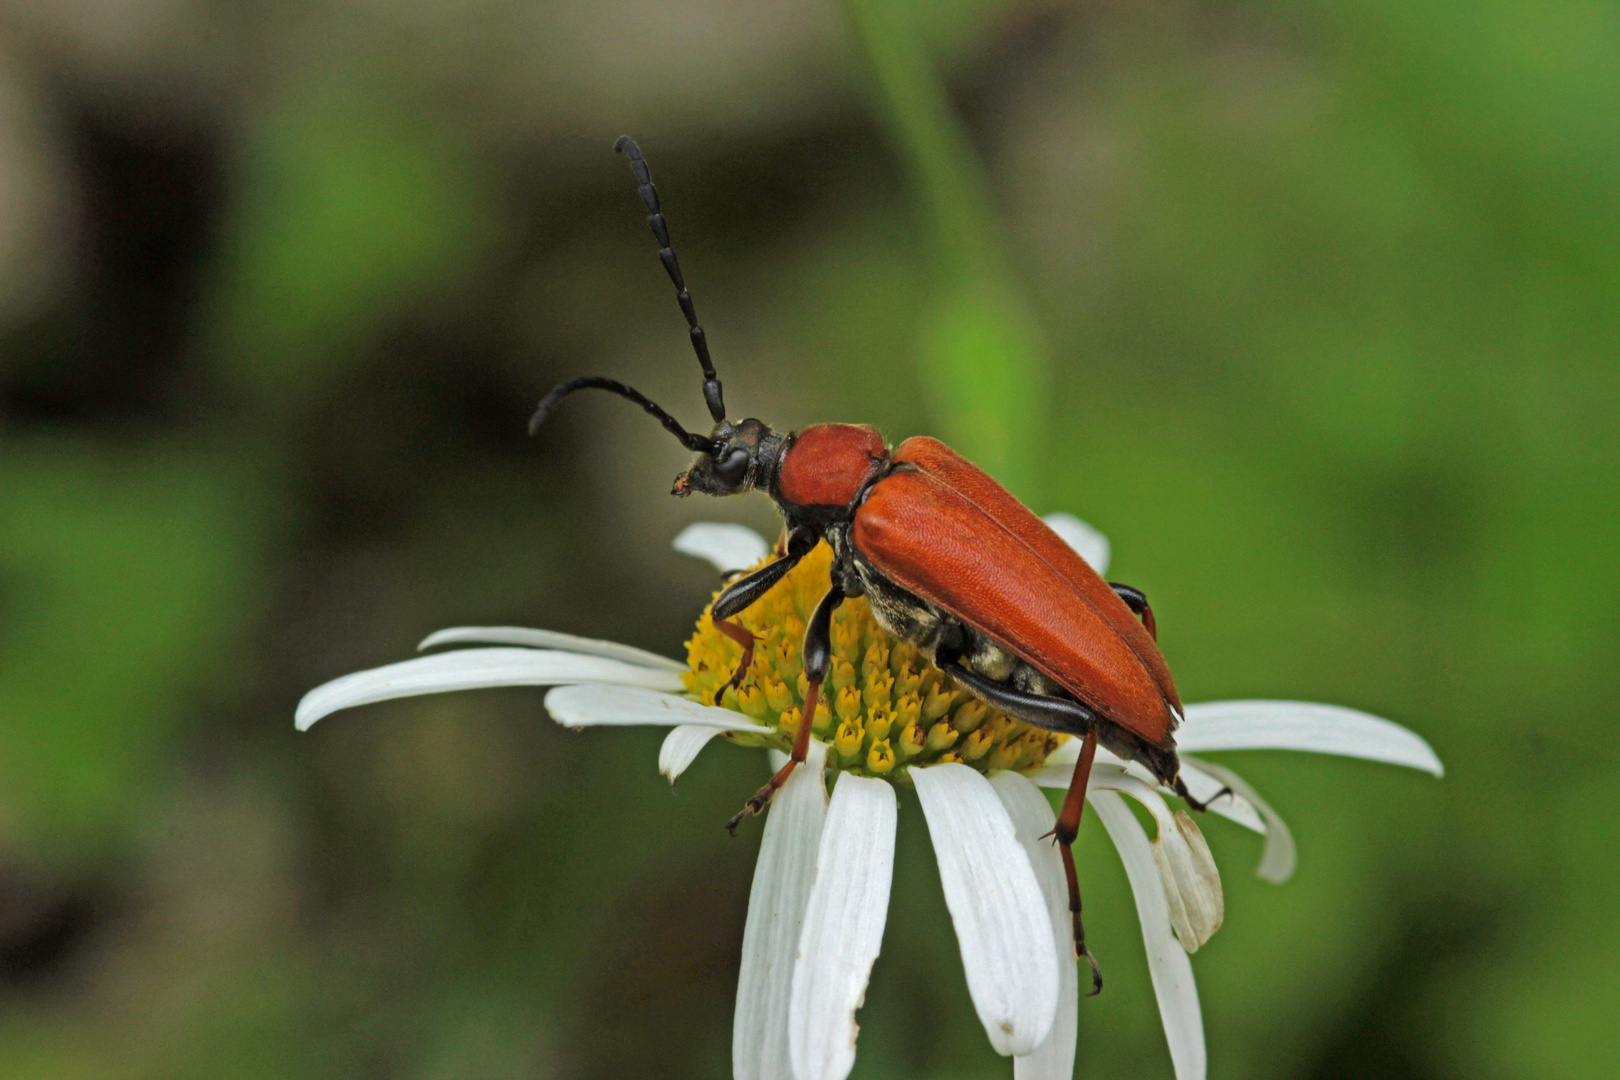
<point>950,562</point>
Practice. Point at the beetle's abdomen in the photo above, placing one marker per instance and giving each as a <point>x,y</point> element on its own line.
<point>828,464</point>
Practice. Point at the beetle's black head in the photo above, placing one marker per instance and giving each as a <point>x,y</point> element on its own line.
<point>741,457</point>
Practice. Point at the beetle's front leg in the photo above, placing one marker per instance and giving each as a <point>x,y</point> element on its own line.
<point>817,657</point>
<point>1136,600</point>
<point>741,594</point>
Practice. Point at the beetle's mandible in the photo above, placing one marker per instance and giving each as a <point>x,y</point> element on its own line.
<point>949,560</point>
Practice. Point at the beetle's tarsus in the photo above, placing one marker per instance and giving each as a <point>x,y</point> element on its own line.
<point>1186,796</point>
<point>1083,953</point>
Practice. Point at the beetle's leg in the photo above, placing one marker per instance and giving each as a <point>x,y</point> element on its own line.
<point>817,656</point>
<point>737,597</point>
<point>1053,714</point>
<point>1066,829</point>
<point>1136,600</point>
<point>1179,786</point>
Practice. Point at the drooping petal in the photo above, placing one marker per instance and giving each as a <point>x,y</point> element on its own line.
<point>1168,962</point>
<point>1192,885</point>
<point>1002,921</point>
<point>473,669</point>
<point>776,906</point>
<point>594,704</point>
<point>728,547</point>
<point>548,639</point>
<point>681,747</point>
<point>1090,544</point>
<point>1033,819</point>
<point>1278,858</point>
<point>1303,725</point>
<point>843,927</point>
<point>1187,872</point>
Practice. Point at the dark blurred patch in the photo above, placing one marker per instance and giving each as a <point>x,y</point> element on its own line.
<point>116,350</point>
<point>42,927</point>
<point>434,399</point>
<point>660,1002</point>
<point>1390,1034</point>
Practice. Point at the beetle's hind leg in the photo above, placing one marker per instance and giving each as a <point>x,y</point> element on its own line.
<point>817,657</point>
<point>1136,600</point>
<point>1065,830</point>
<point>1053,714</point>
<point>1179,786</point>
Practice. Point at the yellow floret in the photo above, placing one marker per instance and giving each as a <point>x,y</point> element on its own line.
<point>884,707</point>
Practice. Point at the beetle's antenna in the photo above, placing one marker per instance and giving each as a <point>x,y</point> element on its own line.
<point>590,382</point>
<point>655,218</point>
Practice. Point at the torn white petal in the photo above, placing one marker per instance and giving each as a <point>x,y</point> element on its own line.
<point>843,927</point>
<point>593,704</point>
<point>1278,859</point>
<point>728,547</point>
<point>548,639</point>
<point>1087,542</point>
<point>1001,917</point>
<point>776,906</point>
<point>1032,820</point>
<point>1168,962</point>
<point>1303,725</point>
<point>681,748</point>
<point>1192,885</point>
<point>473,669</point>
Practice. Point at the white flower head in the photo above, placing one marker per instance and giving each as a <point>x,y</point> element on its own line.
<point>819,901</point>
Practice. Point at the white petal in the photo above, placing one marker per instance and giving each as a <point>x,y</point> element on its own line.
<point>593,704</point>
<point>681,747</point>
<point>548,639</point>
<point>472,669</point>
<point>1090,544</point>
<point>1192,885</point>
<point>1033,819</point>
<point>728,547</point>
<point>776,906</point>
<point>1278,858</point>
<point>1001,917</point>
<point>1303,725</point>
<point>1167,961</point>
<point>843,927</point>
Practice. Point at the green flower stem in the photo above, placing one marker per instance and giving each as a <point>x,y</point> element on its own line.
<point>983,358</point>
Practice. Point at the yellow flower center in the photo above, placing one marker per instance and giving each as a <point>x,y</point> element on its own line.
<point>883,708</point>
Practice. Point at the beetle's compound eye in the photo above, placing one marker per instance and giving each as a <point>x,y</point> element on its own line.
<point>733,467</point>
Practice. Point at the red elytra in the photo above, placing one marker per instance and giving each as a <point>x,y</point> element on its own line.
<point>928,536</point>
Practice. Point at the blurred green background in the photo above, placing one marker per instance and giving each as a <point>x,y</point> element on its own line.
<point>1310,307</point>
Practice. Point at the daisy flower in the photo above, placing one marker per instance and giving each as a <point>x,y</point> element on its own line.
<point>820,895</point>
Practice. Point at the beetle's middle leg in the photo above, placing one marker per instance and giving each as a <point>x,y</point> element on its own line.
<point>817,658</point>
